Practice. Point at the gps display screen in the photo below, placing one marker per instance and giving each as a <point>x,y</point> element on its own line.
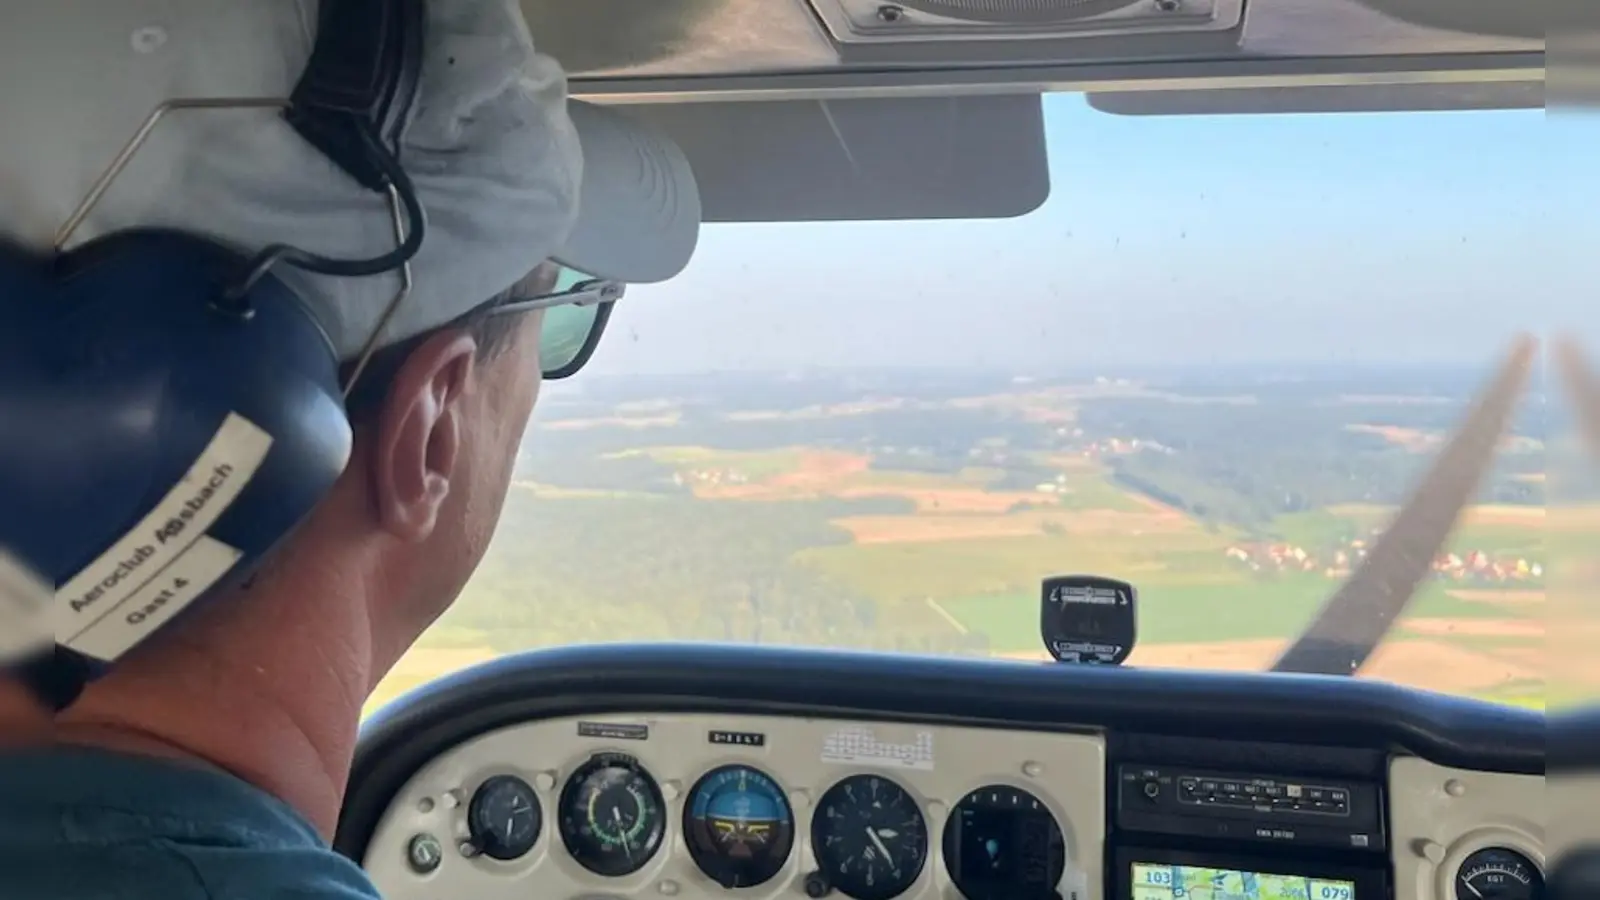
<point>1165,881</point>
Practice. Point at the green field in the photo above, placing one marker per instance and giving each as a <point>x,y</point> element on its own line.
<point>1322,528</point>
<point>894,480</point>
<point>1096,492</point>
<point>1182,614</point>
<point>954,569</point>
<point>1528,695</point>
<point>753,465</point>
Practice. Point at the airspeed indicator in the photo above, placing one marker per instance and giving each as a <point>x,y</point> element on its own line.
<point>613,816</point>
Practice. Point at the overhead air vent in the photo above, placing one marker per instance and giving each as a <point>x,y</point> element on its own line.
<point>1026,12</point>
<point>869,21</point>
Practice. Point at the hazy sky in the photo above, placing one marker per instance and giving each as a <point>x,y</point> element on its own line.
<point>1379,238</point>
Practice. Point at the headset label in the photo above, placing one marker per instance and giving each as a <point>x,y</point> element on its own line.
<point>142,564</point>
<point>161,598</point>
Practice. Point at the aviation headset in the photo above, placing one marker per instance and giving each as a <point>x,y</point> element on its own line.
<point>169,409</point>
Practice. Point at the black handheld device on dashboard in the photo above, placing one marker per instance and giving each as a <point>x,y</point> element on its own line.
<point>1088,619</point>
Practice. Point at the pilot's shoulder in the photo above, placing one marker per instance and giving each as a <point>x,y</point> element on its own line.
<point>226,873</point>
<point>90,823</point>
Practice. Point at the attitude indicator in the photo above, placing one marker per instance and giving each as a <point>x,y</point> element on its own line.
<point>738,826</point>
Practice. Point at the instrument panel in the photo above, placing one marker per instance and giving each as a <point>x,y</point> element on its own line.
<point>1470,835</point>
<point>697,805</point>
<point>662,771</point>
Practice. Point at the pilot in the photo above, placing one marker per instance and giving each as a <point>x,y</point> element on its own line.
<point>211,763</point>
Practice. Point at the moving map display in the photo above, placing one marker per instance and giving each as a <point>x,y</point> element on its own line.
<point>1163,881</point>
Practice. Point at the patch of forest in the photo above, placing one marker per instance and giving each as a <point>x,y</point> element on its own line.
<point>1247,464</point>
<point>596,569</point>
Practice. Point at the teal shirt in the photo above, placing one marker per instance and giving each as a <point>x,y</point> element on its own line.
<point>87,825</point>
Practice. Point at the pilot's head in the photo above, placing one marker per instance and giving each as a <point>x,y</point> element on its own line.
<point>531,204</point>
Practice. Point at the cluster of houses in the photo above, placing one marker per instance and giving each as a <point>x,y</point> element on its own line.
<point>1474,566</point>
<point>1074,442</point>
<point>709,477</point>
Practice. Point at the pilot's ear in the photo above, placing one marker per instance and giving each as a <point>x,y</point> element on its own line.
<point>416,443</point>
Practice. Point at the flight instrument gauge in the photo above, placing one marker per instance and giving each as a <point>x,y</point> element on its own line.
<point>1002,843</point>
<point>612,815</point>
<point>1496,873</point>
<point>869,837</point>
<point>738,826</point>
<point>504,818</point>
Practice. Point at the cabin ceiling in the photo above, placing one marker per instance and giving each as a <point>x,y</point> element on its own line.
<point>688,50</point>
<point>827,110</point>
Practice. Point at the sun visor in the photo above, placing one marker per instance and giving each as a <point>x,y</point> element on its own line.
<point>862,159</point>
<point>1497,18</point>
<point>1528,94</point>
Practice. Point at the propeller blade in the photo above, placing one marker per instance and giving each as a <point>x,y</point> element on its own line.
<point>1582,390</point>
<point>1572,573</point>
<point>1355,619</point>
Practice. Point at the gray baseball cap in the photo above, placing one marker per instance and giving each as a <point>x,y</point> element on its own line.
<point>509,171</point>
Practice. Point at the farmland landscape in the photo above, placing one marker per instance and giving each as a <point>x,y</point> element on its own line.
<point>917,510</point>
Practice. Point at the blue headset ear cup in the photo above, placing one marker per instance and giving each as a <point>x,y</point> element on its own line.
<point>116,372</point>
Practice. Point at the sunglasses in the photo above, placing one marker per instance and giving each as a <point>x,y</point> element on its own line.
<point>576,310</point>
<point>575,315</point>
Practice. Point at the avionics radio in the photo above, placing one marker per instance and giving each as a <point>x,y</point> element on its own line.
<point>1183,832</point>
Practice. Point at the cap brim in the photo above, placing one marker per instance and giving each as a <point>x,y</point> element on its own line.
<point>638,206</point>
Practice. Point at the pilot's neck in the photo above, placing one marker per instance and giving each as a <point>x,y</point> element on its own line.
<point>23,722</point>
<point>279,711</point>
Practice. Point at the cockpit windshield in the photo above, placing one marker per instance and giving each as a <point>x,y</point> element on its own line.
<point>1214,364</point>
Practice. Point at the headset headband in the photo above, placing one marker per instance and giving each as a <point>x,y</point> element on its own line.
<point>360,82</point>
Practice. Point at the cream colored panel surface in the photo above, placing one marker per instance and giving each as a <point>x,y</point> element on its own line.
<point>937,765</point>
<point>1572,802</point>
<point>1440,816</point>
